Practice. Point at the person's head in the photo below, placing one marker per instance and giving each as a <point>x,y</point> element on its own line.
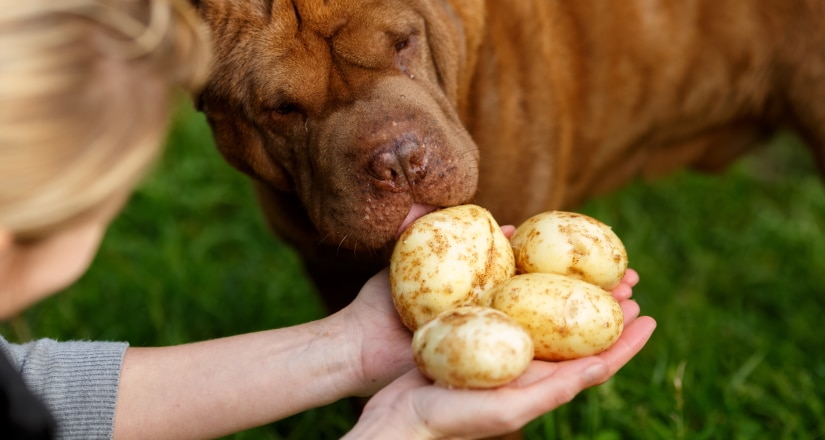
<point>86,88</point>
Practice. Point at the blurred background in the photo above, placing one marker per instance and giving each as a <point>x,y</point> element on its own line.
<point>732,266</point>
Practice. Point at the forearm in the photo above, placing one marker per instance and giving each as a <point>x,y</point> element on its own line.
<point>212,388</point>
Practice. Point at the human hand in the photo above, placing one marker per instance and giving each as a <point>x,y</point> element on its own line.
<point>413,407</point>
<point>383,342</point>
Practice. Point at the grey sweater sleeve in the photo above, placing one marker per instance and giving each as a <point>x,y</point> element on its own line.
<point>77,381</point>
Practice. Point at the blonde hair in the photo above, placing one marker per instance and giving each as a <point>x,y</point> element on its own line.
<point>86,88</point>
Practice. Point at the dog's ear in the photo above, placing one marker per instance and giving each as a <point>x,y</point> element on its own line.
<point>454,33</point>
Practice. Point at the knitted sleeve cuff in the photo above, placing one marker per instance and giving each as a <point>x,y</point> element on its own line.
<point>78,382</point>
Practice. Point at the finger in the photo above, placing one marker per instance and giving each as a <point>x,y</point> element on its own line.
<point>625,288</point>
<point>622,291</point>
<point>633,338</point>
<point>631,277</point>
<point>565,381</point>
<point>630,310</point>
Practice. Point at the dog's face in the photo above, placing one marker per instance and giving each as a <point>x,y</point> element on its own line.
<point>349,105</point>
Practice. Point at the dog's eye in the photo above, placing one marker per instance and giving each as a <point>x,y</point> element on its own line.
<point>286,108</point>
<point>286,113</point>
<point>402,44</point>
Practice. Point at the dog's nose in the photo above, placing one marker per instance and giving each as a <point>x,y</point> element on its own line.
<point>400,165</point>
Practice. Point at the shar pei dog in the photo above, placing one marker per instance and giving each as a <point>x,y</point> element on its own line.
<point>353,117</point>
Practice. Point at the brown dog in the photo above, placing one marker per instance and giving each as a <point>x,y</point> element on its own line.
<point>354,117</point>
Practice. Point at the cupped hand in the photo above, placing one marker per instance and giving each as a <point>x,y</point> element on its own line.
<point>414,407</point>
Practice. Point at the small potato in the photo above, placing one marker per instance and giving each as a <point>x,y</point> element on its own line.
<point>566,317</point>
<point>446,259</point>
<point>570,244</point>
<point>472,347</point>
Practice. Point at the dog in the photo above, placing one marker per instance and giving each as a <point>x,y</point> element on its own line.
<point>354,117</point>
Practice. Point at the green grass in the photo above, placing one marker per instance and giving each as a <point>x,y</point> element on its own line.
<point>732,267</point>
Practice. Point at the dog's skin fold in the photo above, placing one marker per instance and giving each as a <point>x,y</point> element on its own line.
<point>349,114</point>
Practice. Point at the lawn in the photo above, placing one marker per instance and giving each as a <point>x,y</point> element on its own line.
<point>732,267</point>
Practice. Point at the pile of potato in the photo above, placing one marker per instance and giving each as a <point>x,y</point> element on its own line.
<point>482,307</point>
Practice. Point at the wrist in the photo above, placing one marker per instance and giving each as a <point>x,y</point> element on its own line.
<point>388,422</point>
<point>379,350</point>
<point>338,358</point>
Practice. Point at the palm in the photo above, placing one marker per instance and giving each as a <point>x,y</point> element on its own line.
<point>453,413</point>
<point>414,401</point>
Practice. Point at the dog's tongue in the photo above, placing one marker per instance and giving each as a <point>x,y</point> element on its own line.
<point>416,211</point>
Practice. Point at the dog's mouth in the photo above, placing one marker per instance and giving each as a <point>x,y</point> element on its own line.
<point>417,210</point>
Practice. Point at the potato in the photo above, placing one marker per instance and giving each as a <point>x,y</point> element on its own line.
<point>567,318</point>
<point>447,259</point>
<point>570,244</point>
<point>472,347</point>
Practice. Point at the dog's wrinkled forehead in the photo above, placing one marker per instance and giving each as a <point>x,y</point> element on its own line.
<point>301,45</point>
